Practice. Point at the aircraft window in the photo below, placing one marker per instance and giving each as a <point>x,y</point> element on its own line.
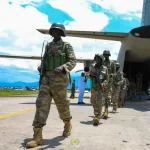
<point>141,32</point>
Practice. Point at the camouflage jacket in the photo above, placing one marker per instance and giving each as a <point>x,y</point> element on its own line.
<point>101,75</point>
<point>118,78</point>
<point>111,67</point>
<point>68,66</point>
<point>56,46</point>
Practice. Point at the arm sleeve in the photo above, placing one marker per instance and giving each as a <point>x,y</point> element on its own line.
<point>71,58</point>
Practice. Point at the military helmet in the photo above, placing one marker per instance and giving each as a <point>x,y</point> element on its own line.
<point>121,74</point>
<point>99,55</point>
<point>117,65</point>
<point>106,52</point>
<point>58,26</point>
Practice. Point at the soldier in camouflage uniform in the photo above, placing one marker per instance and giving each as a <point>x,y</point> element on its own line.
<point>59,59</point>
<point>123,86</point>
<point>98,76</point>
<point>117,80</point>
<point>108,89</point>
<point>126,90</point>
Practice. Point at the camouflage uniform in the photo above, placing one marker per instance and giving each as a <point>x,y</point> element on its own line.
<point>97,94</point>
<point>108,89</point>
<point>122,90</point>
<point>54,86</point>
<point>126,90</point>
<point>117,80</point>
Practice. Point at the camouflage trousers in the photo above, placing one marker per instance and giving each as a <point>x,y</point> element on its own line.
<point>43,102</point>
<point>121,101</point>
<point>116,95</point>
<point>108,95</point>
<point>97,101</point>
<point>132,95</point>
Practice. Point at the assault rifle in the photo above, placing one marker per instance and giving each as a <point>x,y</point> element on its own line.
<point>97,77</point>
<point>41,69</point>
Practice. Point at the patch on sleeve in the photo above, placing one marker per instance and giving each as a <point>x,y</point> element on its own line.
<point>68,46</point>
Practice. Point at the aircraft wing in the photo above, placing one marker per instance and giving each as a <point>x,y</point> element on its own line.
<point>114,36</point>
<point>21,57</point>
<point>79,60</point>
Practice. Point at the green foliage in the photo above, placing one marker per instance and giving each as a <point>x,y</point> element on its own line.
<point>12,92</point>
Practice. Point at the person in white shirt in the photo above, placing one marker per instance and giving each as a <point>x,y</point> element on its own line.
<point>81,86</point>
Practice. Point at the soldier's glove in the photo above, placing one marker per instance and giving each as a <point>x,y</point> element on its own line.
<point>59,70</point>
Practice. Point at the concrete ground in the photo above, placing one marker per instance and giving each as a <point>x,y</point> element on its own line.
<point>128,129</point>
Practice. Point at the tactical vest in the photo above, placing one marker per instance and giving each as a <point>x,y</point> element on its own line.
<point>109,67</point>
<point>95,81</point>
<point>118,77</point>
<point>54,60</point>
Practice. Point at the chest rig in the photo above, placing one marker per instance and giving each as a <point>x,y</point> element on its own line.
<point>55,56</point>
<point>95,81</point>
<point>118,77</point>
<point>109,66</point>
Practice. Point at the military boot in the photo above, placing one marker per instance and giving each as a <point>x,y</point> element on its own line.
<point>37,138</point>
<point>105,115</point>
<point>115,106</point>
<point>96,120</point>
<point>67,129</point>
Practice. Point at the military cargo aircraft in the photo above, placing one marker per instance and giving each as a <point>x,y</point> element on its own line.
<point>134,54</point>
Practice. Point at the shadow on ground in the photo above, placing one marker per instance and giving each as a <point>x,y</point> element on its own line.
<point>47,143</point>
<point>139,106</point>
<point>74,104</point>
<point>89,123</point>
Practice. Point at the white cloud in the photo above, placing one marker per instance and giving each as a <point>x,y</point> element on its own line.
<point>25,1</point>
<point>23,22</point>
<point>121,6</point>
<point>20,63</point>
<point>85,18</point>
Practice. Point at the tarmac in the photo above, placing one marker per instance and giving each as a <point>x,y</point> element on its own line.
<point>128,129</point>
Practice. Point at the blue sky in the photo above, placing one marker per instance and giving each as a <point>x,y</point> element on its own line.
<point>21,18</point>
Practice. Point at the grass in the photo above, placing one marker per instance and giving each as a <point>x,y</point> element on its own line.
<point>12,92</point>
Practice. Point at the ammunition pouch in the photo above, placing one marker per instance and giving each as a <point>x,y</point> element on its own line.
<point>52,61</point>
<point>95,83</point>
